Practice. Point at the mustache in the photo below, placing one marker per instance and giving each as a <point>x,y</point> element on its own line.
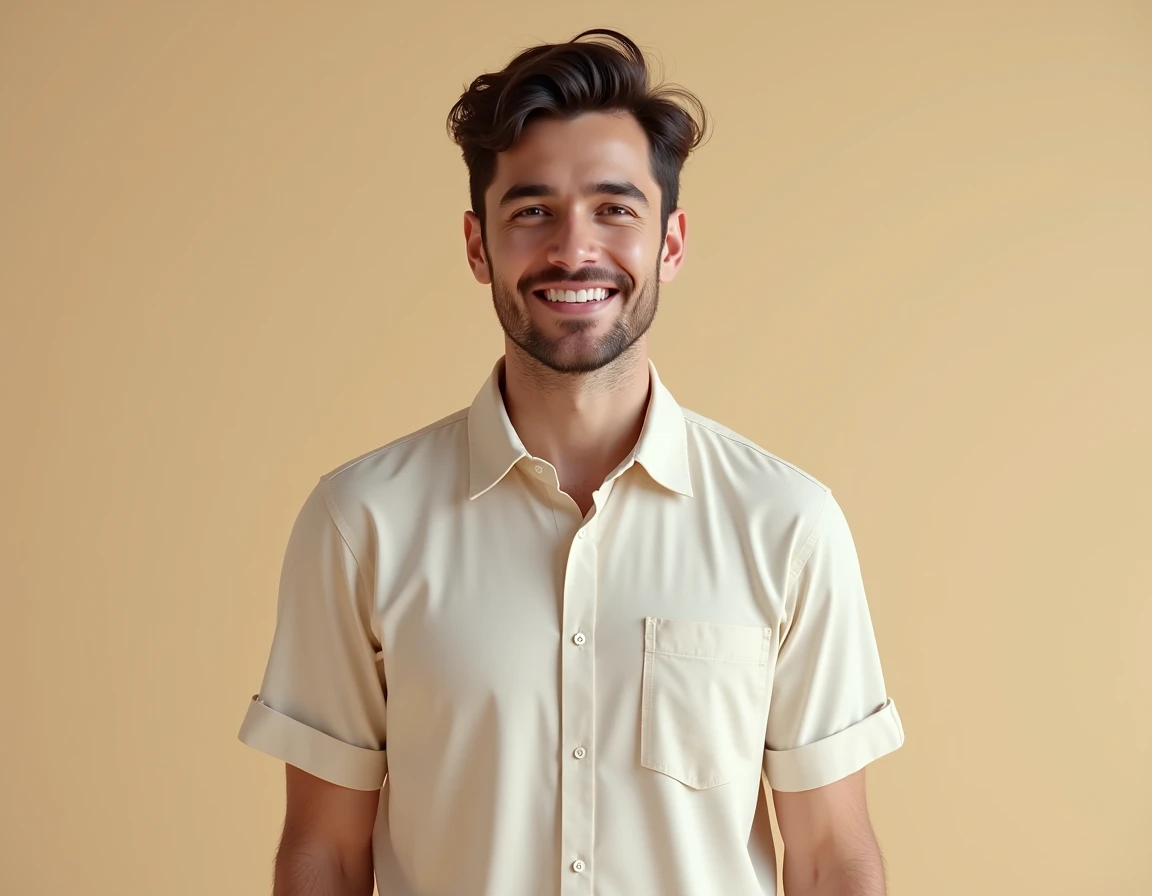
<point>619,279</point>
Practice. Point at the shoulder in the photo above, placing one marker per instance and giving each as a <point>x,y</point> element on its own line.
<point>405,467</point>
<point>719,448</point>
<point>771,495</point>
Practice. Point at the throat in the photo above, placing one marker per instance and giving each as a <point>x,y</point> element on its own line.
<point>582,495</point>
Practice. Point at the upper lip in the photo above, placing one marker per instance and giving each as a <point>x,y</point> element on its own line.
<point>574,286</point>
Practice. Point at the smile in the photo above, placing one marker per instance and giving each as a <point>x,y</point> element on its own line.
<point>575,296</point>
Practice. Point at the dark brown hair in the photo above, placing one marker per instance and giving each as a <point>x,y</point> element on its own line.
<point>562,81</point>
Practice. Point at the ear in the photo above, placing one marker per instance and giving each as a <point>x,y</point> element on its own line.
<point>474,246</point>
<point>672,252</point>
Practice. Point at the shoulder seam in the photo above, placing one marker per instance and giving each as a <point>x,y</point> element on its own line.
<point>761,451</point>
<point>813,537</point>
<point>345,531</point>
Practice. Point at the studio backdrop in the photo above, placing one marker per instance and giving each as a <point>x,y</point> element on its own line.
<point>919,266</point>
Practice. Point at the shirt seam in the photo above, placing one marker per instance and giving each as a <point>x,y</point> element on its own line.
<point>708,656</point>
<point>751,446</point>
<point>345,530</point>
<point>813,538</point>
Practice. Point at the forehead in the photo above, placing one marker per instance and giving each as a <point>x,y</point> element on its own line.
<point>595,146</point>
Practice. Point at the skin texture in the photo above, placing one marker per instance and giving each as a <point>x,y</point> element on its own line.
<point>829,846</point>
<point>577,232</point>
<point>326,847</point>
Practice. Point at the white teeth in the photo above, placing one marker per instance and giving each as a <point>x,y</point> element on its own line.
<point>570,295</point>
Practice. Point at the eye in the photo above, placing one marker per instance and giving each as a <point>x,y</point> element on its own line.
<point>617,210</point>
<point>528,212</point>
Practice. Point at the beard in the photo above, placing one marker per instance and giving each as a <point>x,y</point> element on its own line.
<point>579,349</point>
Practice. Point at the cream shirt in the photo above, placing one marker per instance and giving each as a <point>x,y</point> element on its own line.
<point>562,705</point>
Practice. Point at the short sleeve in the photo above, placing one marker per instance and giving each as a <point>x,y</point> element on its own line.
<point>321,705</point>
<point>829,714</point>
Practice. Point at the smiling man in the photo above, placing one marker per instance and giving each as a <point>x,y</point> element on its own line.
<point>557,642</point>
<point>576,309</point>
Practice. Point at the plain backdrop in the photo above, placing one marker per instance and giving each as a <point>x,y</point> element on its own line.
<point>919,267</point>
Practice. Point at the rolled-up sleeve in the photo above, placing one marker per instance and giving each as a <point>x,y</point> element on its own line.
<point>830,714</point>
<point>321,705</point>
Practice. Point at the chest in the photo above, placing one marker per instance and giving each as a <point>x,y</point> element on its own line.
<point>478,611</point>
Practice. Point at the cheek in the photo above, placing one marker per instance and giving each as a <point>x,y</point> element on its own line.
<point>633,250</point>
<point>511,254</point>
<point>521,242</point>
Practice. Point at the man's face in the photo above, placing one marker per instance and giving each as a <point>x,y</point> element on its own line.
<point>574,250</point>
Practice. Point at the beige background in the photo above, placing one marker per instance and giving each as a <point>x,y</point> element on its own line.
<point>919,267</point>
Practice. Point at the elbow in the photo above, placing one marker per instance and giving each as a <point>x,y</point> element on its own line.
<point>305,865</point>
<point>836,871</point>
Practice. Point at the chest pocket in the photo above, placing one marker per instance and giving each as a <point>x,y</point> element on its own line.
<point>702,711</point>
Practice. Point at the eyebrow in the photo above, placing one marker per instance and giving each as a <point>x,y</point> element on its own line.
<point>603,188</point>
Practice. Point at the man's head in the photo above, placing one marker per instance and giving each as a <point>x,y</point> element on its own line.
<point>574,164</point>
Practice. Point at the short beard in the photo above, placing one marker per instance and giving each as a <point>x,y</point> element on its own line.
<point>636,317</point>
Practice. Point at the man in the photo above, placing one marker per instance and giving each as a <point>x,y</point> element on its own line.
<point>551,643</point>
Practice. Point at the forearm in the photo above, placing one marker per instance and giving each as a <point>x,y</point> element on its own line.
<point>304,872</point>
<point>859,874</point>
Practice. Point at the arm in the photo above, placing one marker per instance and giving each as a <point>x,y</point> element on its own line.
<point>829,846</point>
<point>326,848</point>
<point>830,717</point>
<point>322,708</point>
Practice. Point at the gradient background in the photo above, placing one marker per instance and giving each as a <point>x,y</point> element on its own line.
<point>919,266</point>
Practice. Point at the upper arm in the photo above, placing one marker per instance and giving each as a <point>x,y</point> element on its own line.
<point>328,819</point>
<point>825,822</point>
<point>830,714</point>
<point>322,704</point>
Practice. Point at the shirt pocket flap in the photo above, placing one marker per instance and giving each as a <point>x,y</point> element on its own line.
<point>712,641</point>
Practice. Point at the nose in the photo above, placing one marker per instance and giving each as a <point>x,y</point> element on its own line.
<point>573,242</point>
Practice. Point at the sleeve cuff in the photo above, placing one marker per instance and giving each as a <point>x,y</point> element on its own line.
<point>313,751</point>
<point>836,756</point>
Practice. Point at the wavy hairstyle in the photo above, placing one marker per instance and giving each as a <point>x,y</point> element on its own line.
<point>565,80</point>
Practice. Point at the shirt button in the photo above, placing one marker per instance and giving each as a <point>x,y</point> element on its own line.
<point>577,866</point>
<point>579,753</point>
<point>583,533</point>
<point>579,638</point>
<point>539,469</point>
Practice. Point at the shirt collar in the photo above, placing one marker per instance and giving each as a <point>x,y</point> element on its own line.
<point>494,447</point>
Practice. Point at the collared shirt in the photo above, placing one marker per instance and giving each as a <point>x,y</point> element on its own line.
<point>554,703</point>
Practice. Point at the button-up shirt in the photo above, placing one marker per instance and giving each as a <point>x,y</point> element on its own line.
<point>559,703</point>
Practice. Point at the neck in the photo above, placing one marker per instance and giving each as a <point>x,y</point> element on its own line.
<point>583,424</point>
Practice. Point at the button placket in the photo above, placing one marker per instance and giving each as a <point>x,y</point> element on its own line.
<point>577,781</point>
